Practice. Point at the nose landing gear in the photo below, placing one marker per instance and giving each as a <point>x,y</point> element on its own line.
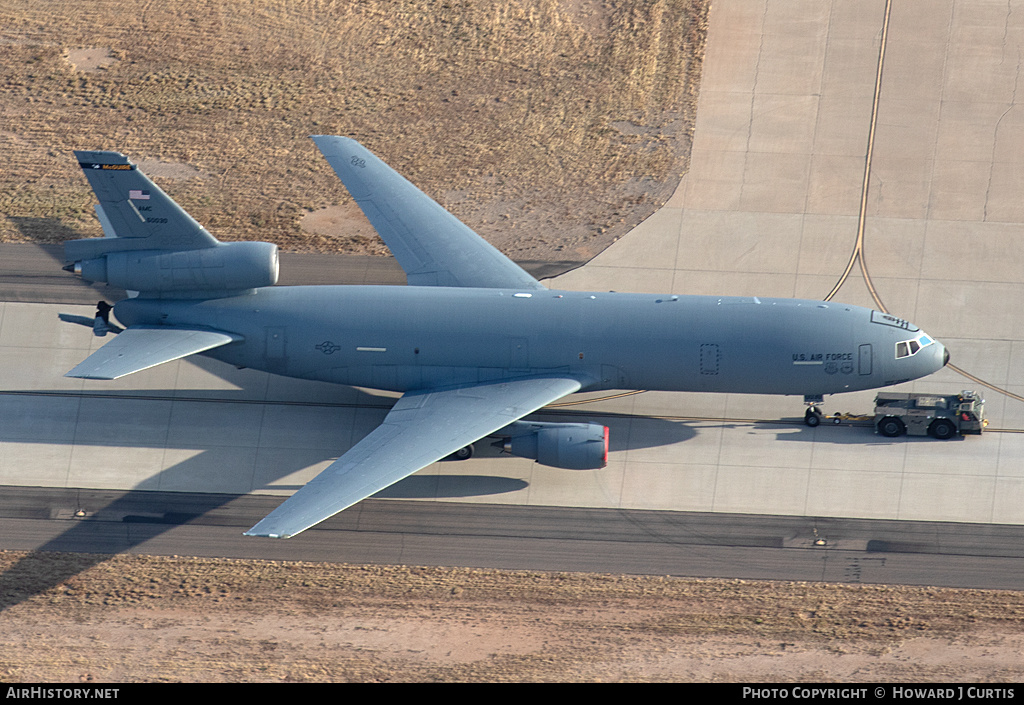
<point>812,417</point>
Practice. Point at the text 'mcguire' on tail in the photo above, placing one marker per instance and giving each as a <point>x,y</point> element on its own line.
<point>153,246</point>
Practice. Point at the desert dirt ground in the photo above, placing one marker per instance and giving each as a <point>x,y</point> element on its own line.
<point>140,618</point>
<point>549,127</point>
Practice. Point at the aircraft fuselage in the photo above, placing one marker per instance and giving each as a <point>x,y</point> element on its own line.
<point>406,338</point>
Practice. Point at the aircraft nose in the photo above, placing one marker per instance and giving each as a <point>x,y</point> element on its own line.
<point>945,356</point>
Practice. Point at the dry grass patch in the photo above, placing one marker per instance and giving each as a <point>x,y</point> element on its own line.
<point>550,127</point>
<point>143,618</point>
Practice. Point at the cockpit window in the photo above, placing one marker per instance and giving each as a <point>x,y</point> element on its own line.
<point>906,348</point>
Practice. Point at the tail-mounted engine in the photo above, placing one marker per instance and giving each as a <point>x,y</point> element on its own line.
<point>226,267</point>
<point>573,446</point>
<point>153,246</point>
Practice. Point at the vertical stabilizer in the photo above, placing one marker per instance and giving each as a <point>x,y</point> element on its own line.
<point>153,247</point>
<point>137,211</point>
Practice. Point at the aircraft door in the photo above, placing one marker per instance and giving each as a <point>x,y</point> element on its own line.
<point>710,357</point>
<point>276,354</point>
<point>275,342</point>
<point>519,353</point>
<point>865,359</point>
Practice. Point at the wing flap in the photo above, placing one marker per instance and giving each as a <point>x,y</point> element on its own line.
<point>433,246</point>
<point>141,347</point>
<point>422,428</point>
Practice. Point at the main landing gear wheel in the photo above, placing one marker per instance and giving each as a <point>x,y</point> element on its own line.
<point>462,453</point>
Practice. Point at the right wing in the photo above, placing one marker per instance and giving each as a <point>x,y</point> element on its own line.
<point>433,246</point>
<point>141,347</point>
<point>422,428</point>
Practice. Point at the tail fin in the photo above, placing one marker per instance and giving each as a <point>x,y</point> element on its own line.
<point>153,246</point>
<point>140,216</point>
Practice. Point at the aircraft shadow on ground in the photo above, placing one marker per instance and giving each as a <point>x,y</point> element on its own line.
<point>37,573</point>
<point>45,229</point>
<point>73,290</point>
<point>846,434</point>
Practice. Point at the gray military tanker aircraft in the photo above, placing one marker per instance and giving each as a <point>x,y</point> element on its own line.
<point>474,342</point>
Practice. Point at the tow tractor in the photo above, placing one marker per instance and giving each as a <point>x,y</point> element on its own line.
<point>936,415</point>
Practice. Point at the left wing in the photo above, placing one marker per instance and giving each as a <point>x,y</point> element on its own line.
<point>422,428</point>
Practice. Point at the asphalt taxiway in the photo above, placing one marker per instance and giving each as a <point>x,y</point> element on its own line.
<point>800,102</point>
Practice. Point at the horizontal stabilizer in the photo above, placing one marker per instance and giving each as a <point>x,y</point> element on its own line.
<point>142,347</point>
<point>80,320</point>
<point>99,326</point>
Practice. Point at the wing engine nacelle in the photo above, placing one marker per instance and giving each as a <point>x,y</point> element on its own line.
<point>230,266</point>
<point>573,446</point>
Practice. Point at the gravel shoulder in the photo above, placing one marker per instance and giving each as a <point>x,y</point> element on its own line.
<point>143,618</point>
